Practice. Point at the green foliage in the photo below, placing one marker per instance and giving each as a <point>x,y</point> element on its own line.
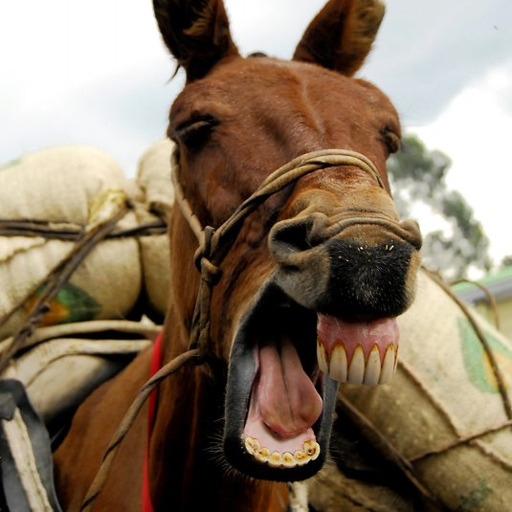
<point>418,177</point>
<point>507,261</point>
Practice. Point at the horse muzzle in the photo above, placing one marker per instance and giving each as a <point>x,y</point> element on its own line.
<point>357,267</point>
<point>339,283</point>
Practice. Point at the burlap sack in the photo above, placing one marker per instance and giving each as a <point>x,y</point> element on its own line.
<point>154,178</point>
<point>443,415</point>
<point>333,491</point>
<point>56,188</point>
<point>66,362</point>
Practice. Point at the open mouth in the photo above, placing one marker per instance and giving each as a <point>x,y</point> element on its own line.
<point>285,366</point>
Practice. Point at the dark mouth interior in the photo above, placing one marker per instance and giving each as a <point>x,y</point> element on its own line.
<point>273,318</point>
<point>277,316</point>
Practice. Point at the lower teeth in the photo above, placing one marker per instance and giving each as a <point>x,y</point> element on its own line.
<point>310,451</point>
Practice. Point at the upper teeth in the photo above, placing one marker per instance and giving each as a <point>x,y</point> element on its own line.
<point>358,369</point>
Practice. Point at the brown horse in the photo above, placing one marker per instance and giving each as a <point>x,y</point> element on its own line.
<point>321,265</point>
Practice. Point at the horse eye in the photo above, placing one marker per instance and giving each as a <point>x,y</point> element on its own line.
<point>391,138</point>
<point>194,132</point>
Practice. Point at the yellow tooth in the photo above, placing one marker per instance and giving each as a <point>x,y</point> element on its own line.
<point>252,445</point>
<point>288,460</point>
<point>312,449</point>
<point>372,371</point>
<point>338,364</point>
<point>248,445</point>
<point>301,458</point>
<point>275,460</point>
<point>262,455</point>
<point>388,366</point>
<point>356,369</point>
<point>321,357</point>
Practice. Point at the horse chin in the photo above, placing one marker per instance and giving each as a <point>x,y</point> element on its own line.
<point>279,405</point>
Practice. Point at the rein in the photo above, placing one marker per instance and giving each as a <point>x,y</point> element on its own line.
<point>214,245</point>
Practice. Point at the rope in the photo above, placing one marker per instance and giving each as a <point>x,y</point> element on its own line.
<point>461,441</point>
<point>59,276</point>
<point>490,298</point>
<point>507,406</point>
<point>379,440</point>
<point>184,205</point>
<point>51,231</point>
<point>189,357</point>
<point>275,182</point>
<point>214,245</point>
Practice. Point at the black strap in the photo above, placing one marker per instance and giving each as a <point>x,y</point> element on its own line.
<point>24,444</point>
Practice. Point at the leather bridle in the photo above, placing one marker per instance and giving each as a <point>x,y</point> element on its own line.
<point>214,244</point>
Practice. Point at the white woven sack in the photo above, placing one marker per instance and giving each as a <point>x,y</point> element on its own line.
<point>443,412</point>
<point>66,362</point>
<point>154,178</point>
<point>58,187</point>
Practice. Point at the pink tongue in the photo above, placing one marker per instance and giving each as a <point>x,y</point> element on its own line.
<point>287,399</point>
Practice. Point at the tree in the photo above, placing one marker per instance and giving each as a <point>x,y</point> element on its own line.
<point>506,261</point>
<point>453,240</point>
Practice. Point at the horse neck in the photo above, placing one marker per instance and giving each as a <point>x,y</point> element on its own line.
<point>186,469</point>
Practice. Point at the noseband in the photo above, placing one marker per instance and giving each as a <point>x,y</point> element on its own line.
<point>214,244</point>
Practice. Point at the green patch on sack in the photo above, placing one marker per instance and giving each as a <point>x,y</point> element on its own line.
<point>473,501</point>
<point>72,304</point>
<point>477,362</point>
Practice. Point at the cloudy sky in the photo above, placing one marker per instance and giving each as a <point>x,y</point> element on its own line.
<point>95,72</point>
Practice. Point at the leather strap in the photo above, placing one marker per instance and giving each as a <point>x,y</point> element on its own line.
<point>25,453</point>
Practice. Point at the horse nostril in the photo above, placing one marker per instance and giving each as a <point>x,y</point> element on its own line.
<point>288,238</point>
<point>412,233</point>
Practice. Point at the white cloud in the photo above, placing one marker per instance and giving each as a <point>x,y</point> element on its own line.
<point>475,132</point>
<point>271,27</point>
<point>58,48</point>
<point>96,72</point>
<point>62,59</point>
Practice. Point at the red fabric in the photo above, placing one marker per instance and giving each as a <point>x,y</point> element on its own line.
<point>156,363</point>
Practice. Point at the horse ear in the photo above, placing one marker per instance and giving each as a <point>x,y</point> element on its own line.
<point>196,33</point>
<point>341,35</point>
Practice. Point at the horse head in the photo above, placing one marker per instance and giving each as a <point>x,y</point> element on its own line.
<point>309,289</point>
